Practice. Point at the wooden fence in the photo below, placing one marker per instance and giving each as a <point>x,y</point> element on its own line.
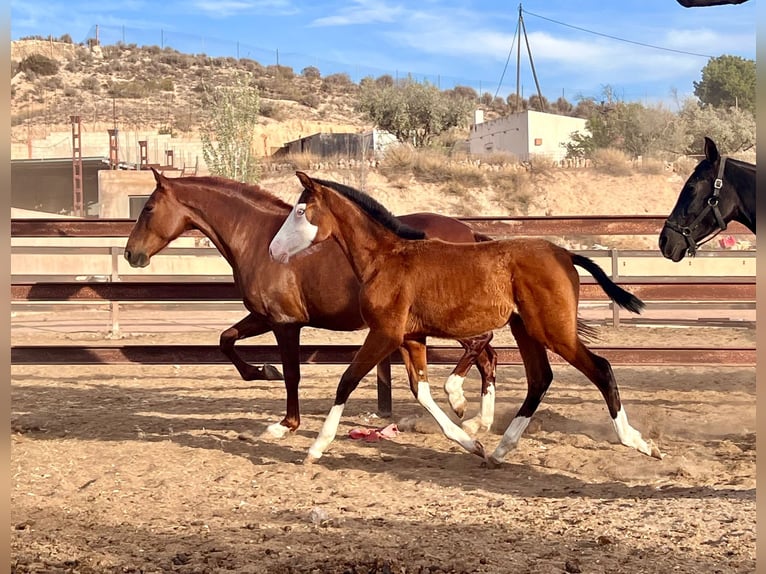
<point>116,289</point>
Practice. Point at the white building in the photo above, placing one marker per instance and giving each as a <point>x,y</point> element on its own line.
<point>524,134</point>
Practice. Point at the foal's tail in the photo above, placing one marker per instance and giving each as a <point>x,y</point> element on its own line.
<point>616,293</point>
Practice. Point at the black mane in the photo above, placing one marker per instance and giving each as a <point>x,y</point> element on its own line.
<point>375,210</point>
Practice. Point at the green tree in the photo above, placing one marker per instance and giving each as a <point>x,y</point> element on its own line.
<point>733,129</point>
<point>727,81</point>
<point>412,111</point>
<point>227,134</point>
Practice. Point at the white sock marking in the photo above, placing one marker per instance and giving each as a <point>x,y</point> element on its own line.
<point>327,433</point>
<point>630,436</point>
<point>454,389</point>
<point>510,438</point>
<point>486,415</point>
<point>450,429</point>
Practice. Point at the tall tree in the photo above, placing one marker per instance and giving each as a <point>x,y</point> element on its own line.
<point>727,81</point>
<point>228,133</point>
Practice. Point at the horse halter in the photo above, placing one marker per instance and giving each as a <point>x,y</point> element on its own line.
<point>712,205</point>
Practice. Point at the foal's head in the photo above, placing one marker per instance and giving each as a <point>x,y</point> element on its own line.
<point>162,220</point>
<point>701,209</point>
<point>312,220</point>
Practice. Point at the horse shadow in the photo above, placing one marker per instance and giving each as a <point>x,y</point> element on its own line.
<point>188,418</point>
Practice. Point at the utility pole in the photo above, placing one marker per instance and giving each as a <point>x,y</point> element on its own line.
<point>523,30</point>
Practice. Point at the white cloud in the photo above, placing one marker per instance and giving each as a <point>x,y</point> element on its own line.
<point>362,12</point>
<point>226,8</point>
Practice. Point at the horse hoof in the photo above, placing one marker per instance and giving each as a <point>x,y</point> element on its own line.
<point>655,451</point>
<point>478,449</point>
<point>310,460</point>
<point>276,430</point>
<point>272,373</point>
<point>492,462</point>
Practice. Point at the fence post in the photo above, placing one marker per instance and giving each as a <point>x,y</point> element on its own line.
<point>114,306</point>
<point>615,277</point>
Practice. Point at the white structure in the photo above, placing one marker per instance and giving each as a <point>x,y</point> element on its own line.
<point>524,134</point>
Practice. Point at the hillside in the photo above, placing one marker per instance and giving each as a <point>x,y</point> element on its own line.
<point>159,91</point>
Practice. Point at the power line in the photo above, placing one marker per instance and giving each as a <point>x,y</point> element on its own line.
<point>619,39</point>
<point>508,59</point>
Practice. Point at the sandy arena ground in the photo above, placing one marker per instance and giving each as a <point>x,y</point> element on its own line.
<point>163,469</point>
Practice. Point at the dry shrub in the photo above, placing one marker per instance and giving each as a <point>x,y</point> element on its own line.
<point>397,159</point>
<point>540,164</point>
<point>651,166</point>
<point>500,158</point>
<point>303,161</point>
<point>611,161</point>
<point>513,189</point>
<point>685,165</point>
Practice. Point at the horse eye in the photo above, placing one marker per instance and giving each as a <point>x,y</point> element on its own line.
<point>148,208</point>
<point>300,212</point>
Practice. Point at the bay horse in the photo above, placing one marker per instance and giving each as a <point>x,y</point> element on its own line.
<point>319,291</point>
<point>719,190</point>
<point>412,288</point>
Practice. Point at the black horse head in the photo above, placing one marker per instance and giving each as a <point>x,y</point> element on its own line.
<point>713,195</point>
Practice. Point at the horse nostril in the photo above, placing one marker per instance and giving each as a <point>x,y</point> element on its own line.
<point>127,254</point>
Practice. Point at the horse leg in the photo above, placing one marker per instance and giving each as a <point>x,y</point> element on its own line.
<point>454,386</point>
<point>539,377</point>
<point>377,346</point>
<point>548,325</point>
<point>250,326</point>
<point>288,340</point>
<point>599,371</point>
<point>414,356</point>
<point>486,363</point>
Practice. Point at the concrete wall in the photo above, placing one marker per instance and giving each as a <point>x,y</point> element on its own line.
<point>525,134</point>
<point>186,151</point>
<point>115,187</point>
<point>509,135</point>
<point>548,131</point>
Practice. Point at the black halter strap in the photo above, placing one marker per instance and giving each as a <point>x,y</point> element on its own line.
<point>712,205</point>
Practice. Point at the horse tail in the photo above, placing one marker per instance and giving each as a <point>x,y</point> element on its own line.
<point>616,293</point>
<point>480,237</point>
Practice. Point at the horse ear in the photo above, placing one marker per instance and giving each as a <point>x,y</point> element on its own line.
<point>711,151</point>
<point>158,177</point>
<point>307,183</point>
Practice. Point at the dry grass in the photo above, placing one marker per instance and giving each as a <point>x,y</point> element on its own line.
<point>612,162</point>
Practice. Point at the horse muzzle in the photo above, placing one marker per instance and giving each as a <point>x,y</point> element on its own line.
<point>136,259</point>
<point>672,245</point>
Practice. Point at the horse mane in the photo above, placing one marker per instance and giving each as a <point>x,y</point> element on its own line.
<point>375,210</point>
<point>746,165</point>
<point>246,191</point>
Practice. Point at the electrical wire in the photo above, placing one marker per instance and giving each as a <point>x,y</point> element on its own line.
<point>508,59</point>
<point>616,38</point>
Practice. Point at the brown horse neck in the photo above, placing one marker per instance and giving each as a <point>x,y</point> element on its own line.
<point>234,216</point>
<point>363,241</point>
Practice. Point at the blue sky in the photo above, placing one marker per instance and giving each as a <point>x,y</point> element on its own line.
<point>446,42</point>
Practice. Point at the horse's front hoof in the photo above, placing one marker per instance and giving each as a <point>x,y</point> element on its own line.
<point>478,449</point>
<point>492,462</point>
<point>310,460</point>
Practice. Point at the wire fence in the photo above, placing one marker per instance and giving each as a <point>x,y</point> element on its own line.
<point>216,47</point>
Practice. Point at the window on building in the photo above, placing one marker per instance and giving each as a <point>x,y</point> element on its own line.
<point>137,203</point>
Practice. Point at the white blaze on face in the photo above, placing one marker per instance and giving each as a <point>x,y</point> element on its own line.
<point>296,234</point>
